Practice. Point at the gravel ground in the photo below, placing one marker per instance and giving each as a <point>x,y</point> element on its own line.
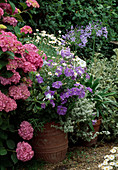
<point>83,158</point>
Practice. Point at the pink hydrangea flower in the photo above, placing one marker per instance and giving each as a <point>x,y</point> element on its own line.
<point>19,92</point>
<point>1,12</point>
<point>10,20</point>
<point>24,151</point>
<point>6,103</point>
<point>8,8</point>
<point>31,47</point>
<point>26,29</point>
<point>33,3</point>
<point>14,79</point>
<point>26,130</point>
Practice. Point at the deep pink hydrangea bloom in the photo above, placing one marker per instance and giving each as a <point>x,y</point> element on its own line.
<point>8,8</point>
<point>10,20</point>
<point>26,130</point>
<point>6,103</point>
<point>1,12</point>
<point>26,29</point>
<point>24,151</point>
<point>33,3</point>
<point>19,92</point>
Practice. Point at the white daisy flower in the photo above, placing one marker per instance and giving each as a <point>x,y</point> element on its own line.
<point>111,157</point>
<point>112,163</point>
<point>105,162</point>
<point>99,166</point>
<point>49,73</point>
<point>116,164</point>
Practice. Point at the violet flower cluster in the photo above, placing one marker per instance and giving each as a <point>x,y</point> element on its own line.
<point>62,82</point>
<point>79,36</point>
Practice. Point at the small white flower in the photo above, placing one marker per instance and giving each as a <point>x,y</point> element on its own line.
<point>75,74</point>
<point>35,33</point>
<point>106,156</point>
<point>49,73</point>
<point>48,96</point>
<point>111,157</point>
<point>38,38</point>
<point>56,74</point>
<point>112,163</point>
<point>64,64</point>
<point>37,30</point>
<point>43,32</point>
<point>59,31</point>
<point>99,166</point>
<point>116,164</point>
<point>113,150</point>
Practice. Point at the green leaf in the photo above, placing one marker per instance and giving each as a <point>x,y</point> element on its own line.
<point>23,5</point>
<point>14,158</point>
<point>1,52</point>
<point>3,151</point>
<point>7,74</point>
<point>18,17</point>
<point>12,6</point>
<point>91,126</point>
<point>3,63</point>
<point>10,143</point>
<point>3,135</point>
<point>10,53</point>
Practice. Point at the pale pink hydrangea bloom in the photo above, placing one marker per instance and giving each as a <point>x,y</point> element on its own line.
<point>14,79</point>
<point>1,12</point>
<point>6,103</point>
<point>33,3</point>
<point>31,47</point>
<point>10,20</point>
<point>24,151</point>
<point>26,29</point>
<point>19,92</point>
<point>26,130</point>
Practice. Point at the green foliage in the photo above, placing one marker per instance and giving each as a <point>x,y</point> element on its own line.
<point>56,15</point>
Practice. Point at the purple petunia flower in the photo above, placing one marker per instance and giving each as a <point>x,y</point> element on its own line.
<point>94,121</point>
<point>61,110</point>
<point>81,93</point>
<point>89,89</point>
<point>57,84</point>
<point>52,102</point>
<point>43,105</point>
<point>65,53</point>
<point>68,72</point>
<point>39,78</point>
<point>50,92</point>
<point>64,101</point>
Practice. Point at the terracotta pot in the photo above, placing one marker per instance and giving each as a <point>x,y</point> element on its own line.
<point>93,141</point>
<point>50,145</point>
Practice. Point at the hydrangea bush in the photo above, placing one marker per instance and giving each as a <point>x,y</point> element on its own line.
<point>16,61</point>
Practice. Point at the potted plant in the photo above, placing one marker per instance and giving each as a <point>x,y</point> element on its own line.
<point>55,89</point>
